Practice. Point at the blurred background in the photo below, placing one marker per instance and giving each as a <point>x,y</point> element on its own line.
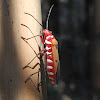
<point>76,26</point>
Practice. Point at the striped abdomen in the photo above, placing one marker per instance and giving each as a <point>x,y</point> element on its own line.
<point>52,58</point>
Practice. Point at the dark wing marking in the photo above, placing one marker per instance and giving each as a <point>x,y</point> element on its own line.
<point>57,74</point>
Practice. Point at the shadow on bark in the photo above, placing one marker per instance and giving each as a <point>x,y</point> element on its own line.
<point>10,78</point>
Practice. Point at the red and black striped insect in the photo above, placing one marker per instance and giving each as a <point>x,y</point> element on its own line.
<point>51,55</point>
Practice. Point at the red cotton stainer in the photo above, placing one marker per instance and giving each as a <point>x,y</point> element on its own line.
<point>51,55</point>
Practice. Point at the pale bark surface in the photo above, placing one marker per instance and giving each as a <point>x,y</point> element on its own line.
<point>15,53</point>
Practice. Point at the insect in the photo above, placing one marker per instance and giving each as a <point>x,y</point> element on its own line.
<point>51,55</point>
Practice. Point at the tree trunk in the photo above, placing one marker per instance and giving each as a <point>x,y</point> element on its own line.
<point>15,53</point>
<point>96,44</point>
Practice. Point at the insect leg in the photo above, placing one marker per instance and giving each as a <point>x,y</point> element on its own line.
<point>35,57</point>
<point>31,37</point>
<point>36,63</point>
<point>38,78</point>
<point>34,52</point>
<point>40,70</point>
<point>31,75</point>
<point>45,54</point>
<point>34,74</point>
<point>31,32</point>
<point>32,66</point>
<point>39,84</point>
<point>36,36</point>
<point>42,38</point>
<point>42,51</point>
<point>30,46</point>
<point>34,18</point>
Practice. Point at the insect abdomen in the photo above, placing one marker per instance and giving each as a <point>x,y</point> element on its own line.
<point>50,68</point>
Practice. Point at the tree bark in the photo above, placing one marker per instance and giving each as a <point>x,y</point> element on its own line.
<point>96,45</point>
<point>15,53</point>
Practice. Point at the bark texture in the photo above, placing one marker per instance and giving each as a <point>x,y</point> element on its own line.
<point>16,53</point>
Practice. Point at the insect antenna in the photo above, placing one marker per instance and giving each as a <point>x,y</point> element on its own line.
<point>48,16</point>
<point>32,37</point>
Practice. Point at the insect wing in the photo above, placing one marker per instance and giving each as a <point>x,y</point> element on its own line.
<point>58,73</point>
<point>56,63</point>
<point>55,55</point>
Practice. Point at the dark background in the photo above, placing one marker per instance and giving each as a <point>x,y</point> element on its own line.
<point>74,23</point>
